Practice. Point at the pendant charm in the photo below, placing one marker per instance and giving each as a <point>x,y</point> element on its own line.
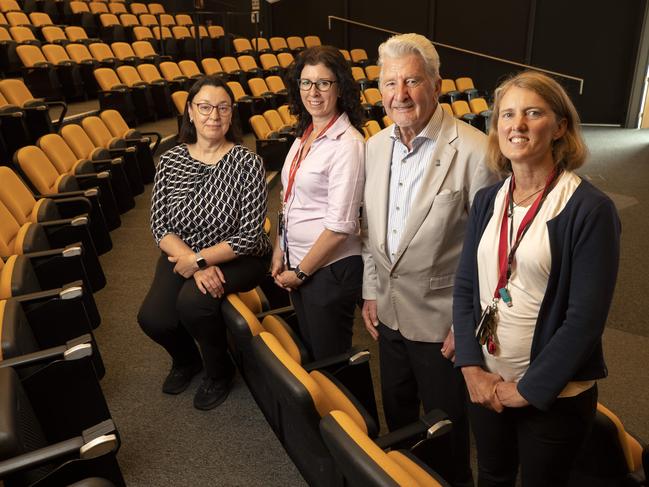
<point>491,345</point>
<point>506,297</point>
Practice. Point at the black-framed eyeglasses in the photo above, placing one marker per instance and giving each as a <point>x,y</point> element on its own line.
<point>206,108</point>
<point>320,85</point>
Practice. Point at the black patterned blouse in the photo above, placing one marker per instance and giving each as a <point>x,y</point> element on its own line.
<point>205,204</point>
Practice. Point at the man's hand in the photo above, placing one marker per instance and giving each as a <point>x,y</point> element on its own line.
<point>371,318</point>
<point>448,347</point>
<point>482,387</point>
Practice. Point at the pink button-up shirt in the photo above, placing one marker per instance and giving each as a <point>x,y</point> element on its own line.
<point>327,191</point>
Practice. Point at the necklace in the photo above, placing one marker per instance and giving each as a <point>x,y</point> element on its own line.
<point>520,202</point>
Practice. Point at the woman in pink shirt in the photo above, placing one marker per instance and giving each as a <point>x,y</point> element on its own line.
<point>318,251</point>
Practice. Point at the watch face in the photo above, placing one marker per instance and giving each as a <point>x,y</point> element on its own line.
<point>202,264</point>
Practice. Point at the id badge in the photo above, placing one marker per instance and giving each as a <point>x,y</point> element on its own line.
<point>485,327</point>
<point>281,231</point>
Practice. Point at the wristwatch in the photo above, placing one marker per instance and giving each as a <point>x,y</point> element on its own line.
<point>301,275</point>
<point>200,261</point>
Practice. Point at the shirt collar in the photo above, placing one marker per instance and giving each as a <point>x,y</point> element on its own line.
<point>339,127</point>
<point>430,131</point>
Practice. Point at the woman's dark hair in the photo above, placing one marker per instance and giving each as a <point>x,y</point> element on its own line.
<point>349,96</point>
<point>187,133</point>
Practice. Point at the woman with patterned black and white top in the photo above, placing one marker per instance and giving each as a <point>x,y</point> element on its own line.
<point>532,291</point>
<point>207,216</point>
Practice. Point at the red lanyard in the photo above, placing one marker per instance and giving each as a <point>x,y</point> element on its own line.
<point>504,260</point>
<point>297,160</point>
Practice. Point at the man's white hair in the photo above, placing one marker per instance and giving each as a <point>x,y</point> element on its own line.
<point>402,45</point>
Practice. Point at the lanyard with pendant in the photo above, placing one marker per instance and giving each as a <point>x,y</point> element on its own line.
<point>295,165</point>
<point>486,330</point>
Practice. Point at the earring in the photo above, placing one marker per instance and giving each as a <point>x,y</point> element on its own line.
<point>191,120</point>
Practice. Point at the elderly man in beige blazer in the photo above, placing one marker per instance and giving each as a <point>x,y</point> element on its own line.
<point>421,176</point>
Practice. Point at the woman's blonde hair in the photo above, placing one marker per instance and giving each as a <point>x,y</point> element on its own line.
<point>569,151</point>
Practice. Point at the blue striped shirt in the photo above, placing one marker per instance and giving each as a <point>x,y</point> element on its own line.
<point>406,173</point>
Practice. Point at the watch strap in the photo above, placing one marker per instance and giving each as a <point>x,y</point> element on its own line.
<point>200,261</point>
<point>303,276</point>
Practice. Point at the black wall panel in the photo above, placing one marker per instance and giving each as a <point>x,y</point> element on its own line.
<point>414,18</point>
<point>295,17</point>
<point>595,40</point>
<point>477,26</point>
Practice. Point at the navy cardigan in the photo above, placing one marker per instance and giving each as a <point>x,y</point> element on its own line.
<point>567,343</point>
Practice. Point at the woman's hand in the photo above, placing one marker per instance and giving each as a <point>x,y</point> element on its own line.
<point>508,395</point>
<point>185,264</point>
<point>482,387</point>
<point>288,280</point>
<point>277,265</point>
<point>210,280</point>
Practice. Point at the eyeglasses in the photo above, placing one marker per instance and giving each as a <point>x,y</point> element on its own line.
<point>321,84</point>
<point>206,108</point>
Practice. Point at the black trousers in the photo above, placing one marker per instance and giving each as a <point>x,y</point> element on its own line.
<point>416,373</point>
<point>544,443</point>
<point>177,315</point>
<point>324,306</point>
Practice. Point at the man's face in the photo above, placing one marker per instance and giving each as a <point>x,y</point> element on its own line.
<point>409,94</point>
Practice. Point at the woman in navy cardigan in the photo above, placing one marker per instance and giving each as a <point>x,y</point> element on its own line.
<point>533,290</point>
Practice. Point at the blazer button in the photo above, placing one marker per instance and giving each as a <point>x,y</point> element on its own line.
<point>394,276</point>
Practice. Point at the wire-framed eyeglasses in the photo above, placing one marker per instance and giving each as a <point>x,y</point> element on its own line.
<point>206,108</point>
<point>320,85</point>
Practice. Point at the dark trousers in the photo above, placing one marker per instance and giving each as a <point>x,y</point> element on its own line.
<point>544,443</point>
<point>324,306</point>
<point>177,315</point>
<point>416,373</point>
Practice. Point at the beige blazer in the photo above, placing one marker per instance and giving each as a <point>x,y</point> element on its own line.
<point>414,293</point>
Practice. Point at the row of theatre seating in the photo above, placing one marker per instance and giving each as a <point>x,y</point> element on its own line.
<point>324,412</point>
<point>60,11</point>
<point>60,197</point>
<point>296,393</point>
<point>144,92</point>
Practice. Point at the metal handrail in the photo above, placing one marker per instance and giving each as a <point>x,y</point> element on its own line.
<point>466,51</point>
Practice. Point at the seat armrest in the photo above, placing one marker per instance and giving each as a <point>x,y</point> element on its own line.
<point>70,250</point>
<point>93,175</point>
<point>158,139</point>
<point>41,456</point>
<point>75,221</point>
<point>434,424</point>
<point>92,442</point>
<point>276,311</point>
<point>113,160</point>
<point>64,110</point>
<point>120,150</point>
<point>354,356</point>
<point>67,194</point>
<point>69,291</point>
<point>73,349</point>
